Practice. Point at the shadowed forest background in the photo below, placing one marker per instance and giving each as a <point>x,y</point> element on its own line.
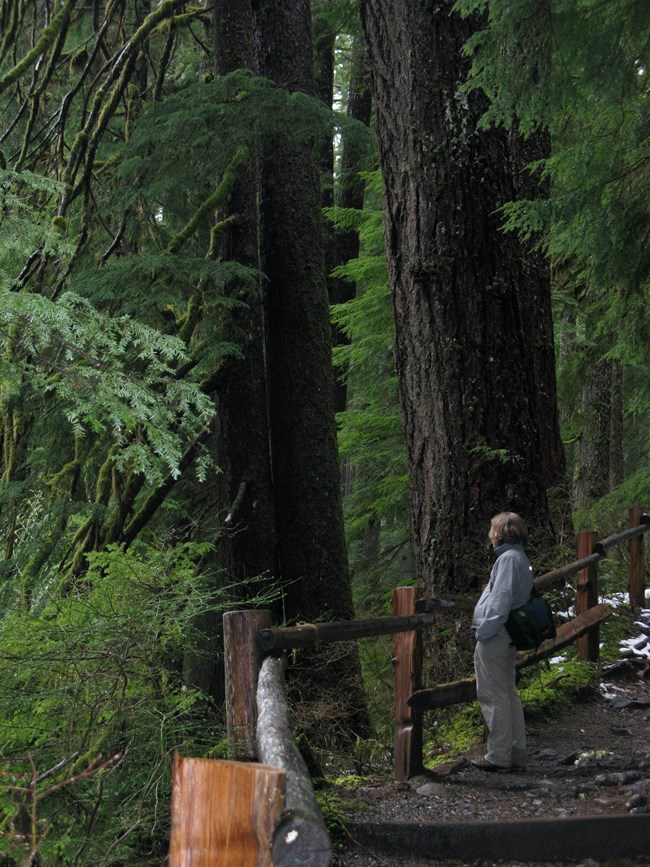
<point>295,297</point>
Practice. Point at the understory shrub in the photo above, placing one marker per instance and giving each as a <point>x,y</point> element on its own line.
<point>93,706</point>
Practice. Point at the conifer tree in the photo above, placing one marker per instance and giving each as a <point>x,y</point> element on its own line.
<point>467,309</point>
<point>579,74</point>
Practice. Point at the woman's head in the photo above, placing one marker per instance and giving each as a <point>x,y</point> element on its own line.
<point>508,527</point>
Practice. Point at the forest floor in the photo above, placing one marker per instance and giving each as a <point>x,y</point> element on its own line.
<point>593,759</point>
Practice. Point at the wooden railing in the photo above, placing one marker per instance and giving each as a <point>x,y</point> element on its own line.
<point>242,812</point>
<point>583,630</point>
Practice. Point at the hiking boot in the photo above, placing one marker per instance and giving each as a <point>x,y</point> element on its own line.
<point>484,765</point>
<point>518,769</point>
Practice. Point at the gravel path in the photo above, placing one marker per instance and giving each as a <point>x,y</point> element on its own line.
<point>594,760</point>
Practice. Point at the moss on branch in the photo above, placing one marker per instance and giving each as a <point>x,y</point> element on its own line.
<point>45,40</point>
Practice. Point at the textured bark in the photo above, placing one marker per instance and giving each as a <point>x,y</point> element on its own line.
<point>309,515</point>
<point>242,497</point>
<point>303,435</point>
<point>467,323</point>
<point>535,299</point>
<point>248,543</point>
<point>616,467</point>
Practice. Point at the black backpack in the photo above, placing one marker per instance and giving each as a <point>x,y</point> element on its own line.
<point>532,623</point>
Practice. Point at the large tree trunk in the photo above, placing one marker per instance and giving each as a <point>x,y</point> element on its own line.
<point>248,542</point>
<point>242,500</point>
<point>309,516</point>
<point>469,374</point>
<point>616,451</point>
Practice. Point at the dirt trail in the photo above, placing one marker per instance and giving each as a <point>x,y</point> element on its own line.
<point>593,760</point>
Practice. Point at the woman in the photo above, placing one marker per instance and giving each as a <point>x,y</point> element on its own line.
<point>510,585</point>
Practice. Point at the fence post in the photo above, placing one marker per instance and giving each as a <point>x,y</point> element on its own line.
<point>407,665</point>
<point>587,596</point>
<point>636,577</point>
<point>224,813</point>
<point>242,664</point>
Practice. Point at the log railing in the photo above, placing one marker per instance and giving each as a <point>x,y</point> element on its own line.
<point>236,813</point>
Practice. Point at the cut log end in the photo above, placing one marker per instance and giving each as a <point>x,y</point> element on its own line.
<point>300,840</point>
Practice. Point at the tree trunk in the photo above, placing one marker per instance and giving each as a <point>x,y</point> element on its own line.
<point>469,373</point>
<point>309,516</point>
<point>303,435</point>
<point>248,543</point>
<point>242,501</point>
<point>616,467</point>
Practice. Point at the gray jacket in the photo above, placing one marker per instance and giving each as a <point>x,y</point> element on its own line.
<point>510,585</point>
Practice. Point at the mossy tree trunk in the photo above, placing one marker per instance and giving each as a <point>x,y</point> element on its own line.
<point>247,545</point>
<point>309,515</point>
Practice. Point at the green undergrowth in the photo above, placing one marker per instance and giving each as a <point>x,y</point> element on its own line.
<point>333,802</point>
<point>93,706</point>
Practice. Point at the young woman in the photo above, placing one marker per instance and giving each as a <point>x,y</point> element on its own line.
<point>510,585</point>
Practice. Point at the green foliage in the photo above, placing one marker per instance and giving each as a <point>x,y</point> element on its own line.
<point>579,71</point>
<point>545,690</point>
<point>451,733</point>
<point>25,224</point>
<point>173,143</point>
<point>604,516</point>
<point>371,438</point>
<point>109,374</point>
<point>95,678</point>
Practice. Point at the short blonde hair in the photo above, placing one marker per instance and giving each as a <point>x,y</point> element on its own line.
<point>509,527</point>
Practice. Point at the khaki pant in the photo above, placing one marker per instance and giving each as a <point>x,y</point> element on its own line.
<point>494,663</point>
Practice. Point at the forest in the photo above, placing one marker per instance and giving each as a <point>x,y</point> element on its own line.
<point>295,296</point>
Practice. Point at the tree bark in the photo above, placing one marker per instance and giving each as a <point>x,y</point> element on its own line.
<point>616,451</point>
<point>241,505</point>
<point>247,546</point>
<point>303,434</point>
<point>468,369</point>
<point>309,516</point>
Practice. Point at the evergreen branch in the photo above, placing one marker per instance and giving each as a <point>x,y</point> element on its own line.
<point>155,500</point>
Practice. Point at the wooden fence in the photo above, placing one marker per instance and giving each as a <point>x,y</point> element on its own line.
<point>247,812</point>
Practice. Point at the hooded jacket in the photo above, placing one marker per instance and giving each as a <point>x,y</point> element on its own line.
<point>510,585</point>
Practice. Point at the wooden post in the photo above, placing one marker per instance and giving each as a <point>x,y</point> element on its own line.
<point>587,596</point>
<point>407,665</point>
<point>636,576</point>
<point>224,813</point>
<point>242,665</point>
